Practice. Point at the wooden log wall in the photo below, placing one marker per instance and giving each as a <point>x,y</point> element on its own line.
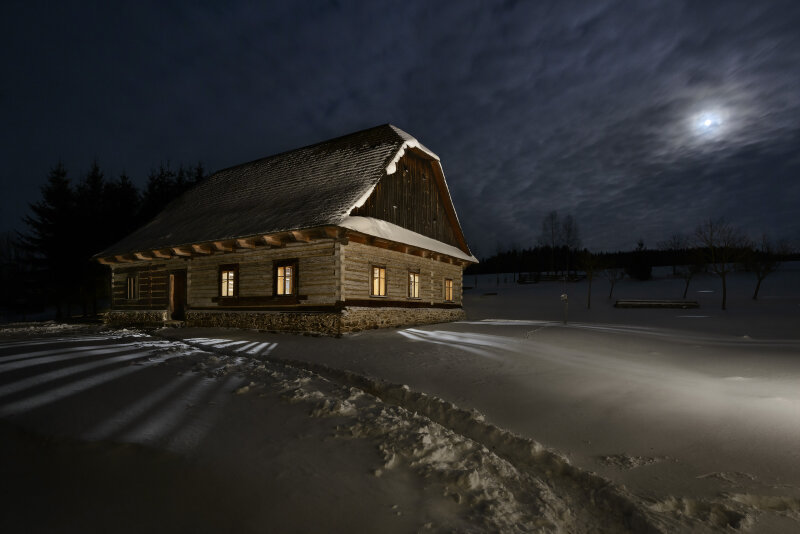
<point>153,285</point>
<point>359,258</point>
<point>411,198</point>
<point>316,274</point>
<point>329,271</point>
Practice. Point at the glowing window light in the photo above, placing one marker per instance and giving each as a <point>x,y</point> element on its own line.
<point>285,280</point>
<point>228,278</point>
<point>378,281</point>
<point>413,285</point>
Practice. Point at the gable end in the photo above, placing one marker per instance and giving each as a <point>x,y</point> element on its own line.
<point>415,197</point>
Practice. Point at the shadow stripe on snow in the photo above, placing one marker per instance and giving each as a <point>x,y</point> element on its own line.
<point>613,508</point>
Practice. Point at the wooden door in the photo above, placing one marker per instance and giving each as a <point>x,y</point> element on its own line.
<point>177,295</point>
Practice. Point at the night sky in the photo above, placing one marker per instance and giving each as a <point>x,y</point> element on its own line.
<point>640,118</point>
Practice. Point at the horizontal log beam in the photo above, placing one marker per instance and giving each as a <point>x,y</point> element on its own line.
<point>273,241</point>
<point>246,243</point>
<point>303,237</point>
<point>223,246</point>
<point>334,232</point>
<point>165,254</point>
<point>143,256</point>
<point>182,251</point>
<point>202,249</point>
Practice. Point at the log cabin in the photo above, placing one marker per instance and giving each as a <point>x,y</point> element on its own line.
<point>352,233</point>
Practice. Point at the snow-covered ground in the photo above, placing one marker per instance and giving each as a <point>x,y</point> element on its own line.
<point>512,421</point>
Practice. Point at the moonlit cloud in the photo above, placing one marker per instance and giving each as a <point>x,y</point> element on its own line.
<point>592,108</point>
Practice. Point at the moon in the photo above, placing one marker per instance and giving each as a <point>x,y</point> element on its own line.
<point>709,124</point>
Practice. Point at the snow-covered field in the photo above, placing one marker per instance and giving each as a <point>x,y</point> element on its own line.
<point>512,421</point>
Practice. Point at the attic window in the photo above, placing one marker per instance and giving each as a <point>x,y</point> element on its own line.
<point>229,280</point>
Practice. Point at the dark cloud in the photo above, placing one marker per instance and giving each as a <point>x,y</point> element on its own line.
<point>589,108</point>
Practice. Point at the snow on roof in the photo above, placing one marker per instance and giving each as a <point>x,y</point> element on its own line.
<point>398,234</point>
<point>308,187</point>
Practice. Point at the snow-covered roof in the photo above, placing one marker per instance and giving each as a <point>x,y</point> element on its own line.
<point>309,187</point>
<point>398,234</point>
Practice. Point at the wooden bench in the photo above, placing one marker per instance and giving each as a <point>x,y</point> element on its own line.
<point>646,303</point>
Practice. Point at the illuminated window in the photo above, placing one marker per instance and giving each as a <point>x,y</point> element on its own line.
<point>413,285</point>
<point>286,278</point>
<point>448,289</point>
<point>228,280</point>
<point>132,292</point>
<point>378,282</point>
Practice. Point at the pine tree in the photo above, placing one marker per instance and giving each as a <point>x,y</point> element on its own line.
<point>50,242</point>
<point>95,233</point>
<point>121,201</point>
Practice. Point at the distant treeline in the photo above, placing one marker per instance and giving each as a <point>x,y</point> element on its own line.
<point>637,261</point>
<point>716,246</point>
<point>560,260</point>
<point>50,265</point>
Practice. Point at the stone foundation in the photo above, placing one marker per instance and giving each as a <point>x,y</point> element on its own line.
<point>350,319</point>
<point>136,317</point>
<point>354,319</point>
<point>294,321</point>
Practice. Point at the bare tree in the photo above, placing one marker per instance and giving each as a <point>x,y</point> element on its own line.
<point>589,263</point>
<point>570,237</point>
<point>687,272</point>
<point>614,275</point>
<point>675,243</point>
<point>724,245</point>
<point>764,259</point>
<point>551,236</point>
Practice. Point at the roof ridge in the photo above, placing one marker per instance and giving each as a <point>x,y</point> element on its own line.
<point>397,131</point>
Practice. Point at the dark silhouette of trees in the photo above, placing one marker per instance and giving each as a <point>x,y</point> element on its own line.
<point>68,225</point>
<point>50,244</point>
<point>17,275</point>
<point>163,186</point>
<point>639,265</point>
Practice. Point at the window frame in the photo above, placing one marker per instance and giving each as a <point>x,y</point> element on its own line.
<point>372,281</point>
<point>294,264</point>
<point>226,268</point>
<point>449,288</point>
<point>414,282</point>
<point>132,280</point>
